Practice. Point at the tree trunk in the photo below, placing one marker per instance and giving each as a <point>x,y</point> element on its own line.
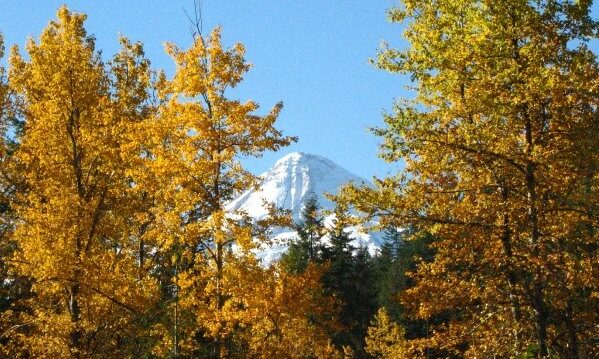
<point>75,311</point>
<point>511,274</point>
<point>220,342</point>
<point>540,309</point>
<point>571,328</point>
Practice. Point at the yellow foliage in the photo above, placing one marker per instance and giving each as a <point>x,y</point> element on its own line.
<point>193,143</point>
<point>386,340</point>
<point>501,158</point>
<point>120,220</point>
<point>282,315</point>
<point>76,240</point>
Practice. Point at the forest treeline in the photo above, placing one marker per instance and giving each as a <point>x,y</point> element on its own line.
<point>115,241</point>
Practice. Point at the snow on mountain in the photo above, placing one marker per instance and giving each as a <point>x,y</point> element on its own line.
<point>288,184</point>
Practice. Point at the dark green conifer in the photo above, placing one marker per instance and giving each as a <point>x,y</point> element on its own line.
<point>307,247</point>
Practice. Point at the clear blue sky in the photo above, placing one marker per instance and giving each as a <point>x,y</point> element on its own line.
<point>310,54</point>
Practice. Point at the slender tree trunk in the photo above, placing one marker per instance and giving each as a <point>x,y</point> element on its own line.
<point>141,260</point>
<point>220,342</point>
<point>176,326</point>
<point>72,126</point>
<point>511,274</point>
<point>541,319</point>
<point>572,332</point>
<point>540,309</point>
<point>75,312</point>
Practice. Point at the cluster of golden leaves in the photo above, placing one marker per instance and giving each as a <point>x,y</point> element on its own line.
<point>386,339</point>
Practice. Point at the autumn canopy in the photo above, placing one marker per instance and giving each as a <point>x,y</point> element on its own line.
<point>116,241</point>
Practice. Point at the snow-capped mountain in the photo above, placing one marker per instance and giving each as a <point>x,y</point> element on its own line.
<point>288,184</point>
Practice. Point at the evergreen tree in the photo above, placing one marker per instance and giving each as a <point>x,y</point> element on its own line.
<point>390,280</point>
<point>339,279</point>
<point>361,301</point>
<point>296,259</point>
<point>401,252</point>
<point>350,278</point>
<point>311,228</point>
<point>307,247</point>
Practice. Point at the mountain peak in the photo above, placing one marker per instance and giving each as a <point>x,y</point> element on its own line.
<point>291,180</point>
<point>300,156</point>
<point>287,185</point>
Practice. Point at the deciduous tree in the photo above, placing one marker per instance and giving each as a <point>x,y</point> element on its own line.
<point>13,288</point>
<point>282,314</point>
<point>194,143</point>
<point>74,235</point>
<point>500,146</point>
<point>386,339</point>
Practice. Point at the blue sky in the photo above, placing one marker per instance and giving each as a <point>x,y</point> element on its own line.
<point>310,54</point>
